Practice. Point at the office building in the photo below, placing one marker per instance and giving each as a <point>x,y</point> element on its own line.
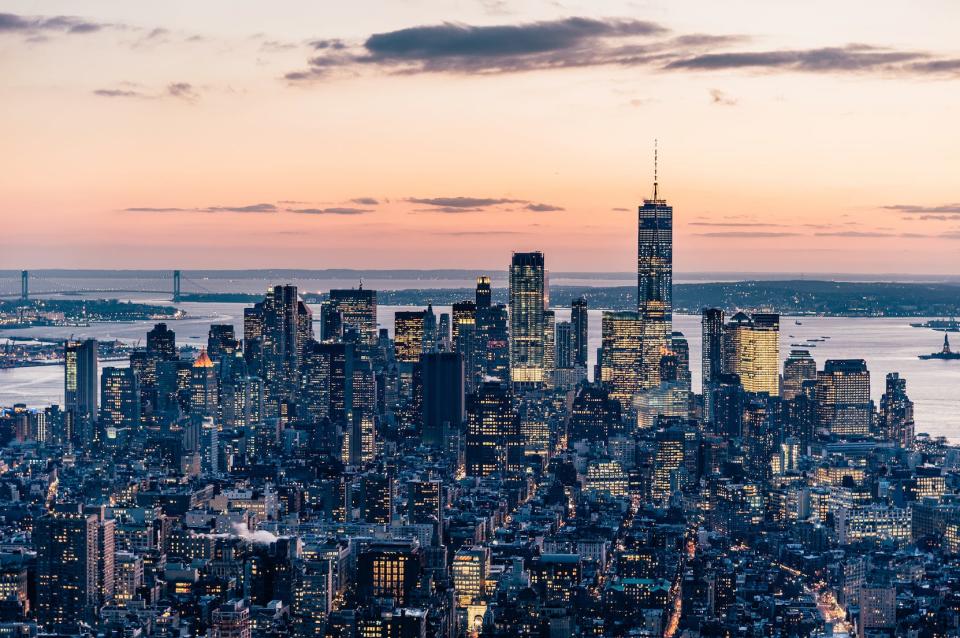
<point>80,379</point>
<point>621,357</point>
<point>751,347</point>
<point>357,309</point>
<point>67,559</point>
<point>843,397</point>
<point>119,401</point>
<point>654,282</point>
<point>492,429</point>
<point>896,412</point>
<point>527,319</point>
<point>484,293</point>
<point>580,331</point>
<point>443,395</point>
<point>797,368</point>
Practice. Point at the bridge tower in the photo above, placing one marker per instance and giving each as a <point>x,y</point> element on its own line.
<point>176,286</point>
<point>24,286</point>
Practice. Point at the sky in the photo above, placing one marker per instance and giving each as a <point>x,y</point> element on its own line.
<point>815,136</point>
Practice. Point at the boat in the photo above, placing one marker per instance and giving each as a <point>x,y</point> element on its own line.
<point>946,353</point>
<point>944,325</point>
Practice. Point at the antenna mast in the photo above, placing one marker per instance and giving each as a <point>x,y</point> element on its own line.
<point>655,167</point>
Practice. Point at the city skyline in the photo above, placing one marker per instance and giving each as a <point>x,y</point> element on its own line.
<point>361,136</point>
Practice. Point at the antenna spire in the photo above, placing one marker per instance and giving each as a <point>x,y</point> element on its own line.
<point>655,167</point>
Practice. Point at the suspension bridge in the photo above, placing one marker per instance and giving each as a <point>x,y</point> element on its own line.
<point>54,286</point>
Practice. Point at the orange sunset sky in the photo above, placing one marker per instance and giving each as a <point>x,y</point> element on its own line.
<point>815,136</point>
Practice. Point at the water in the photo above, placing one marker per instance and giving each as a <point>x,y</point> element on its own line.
<point>887,345</point>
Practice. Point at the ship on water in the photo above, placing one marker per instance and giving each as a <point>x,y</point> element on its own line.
<point>946,353</point>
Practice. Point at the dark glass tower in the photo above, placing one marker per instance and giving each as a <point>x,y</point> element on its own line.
<point>527,318</point>
<point>580,331</point>
<point>654,282</point>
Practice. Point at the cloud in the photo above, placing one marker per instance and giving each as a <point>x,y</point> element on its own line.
<point>588,42</point>
<point>460,203</point>
<point>179,90</point>
<point>851,58</point>
<point>365,201</point>
<point>910,209</point>
<point>478,233</point>
<point>331,211</point>
<point>12,23</point>
<point>736,224</point>
<point>120,93</point>
<point>462,48</point>
<point>252,208</point>
<point>543,208</point>
<point>744,234</point>
<point>720,98</point>
<point>183,90</point>
<point>855,233</point>
<point>621,210</point>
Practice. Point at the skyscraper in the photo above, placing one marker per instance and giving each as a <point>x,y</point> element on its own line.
<point>67,560</point>
<point>527,319</point>
<point>621,360</point>
<point>654,282</point>
<point>408,335</point>
<point>162,343</point>
<point>119,400</point>
<point>751,347</point>
<point>797,368</point>
<point>484,295</point>
<point>492,344</point>
<point>843,397</point>
<point>443,396</point>
<point>358,312</point>
<point>221,341</point>
<point>492,429</point>
<point>549,347</point>
<point>464,312</point>
<point>80,380</point>
<point>711,324</point>
<point>896,412</point>
<point>579,322</point>
<point>564,346</point>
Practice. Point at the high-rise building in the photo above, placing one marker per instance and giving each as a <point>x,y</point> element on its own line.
<point>492,429</point>
<point>595,415</point>
<point>668,461</point>
<point>726,398</point>
<point>549,347</point>
<point>409,335</point>
<point>360,448</point>
<point>464,313</point>
<point>162,343</point>
<point>580,331</point>
<point>680,348</point>
<point>751,347</point>
<point>621,360</point>
<point>564,346</point>
<point>654,282</point>
<point>376,498</point>
<point>843,397</point>
<point>67,559</point>
<point>119,400</point>
<point>492,344</point>
<point>326,384</point>
<point>527,319</point>
<point>425,501</point>
<point>204,388</point>
<point>358,312</point>
<point>896,412</point>
<point>797,368</point>
<point>388,569</point>
<point>443,396</point>
<point>221,341</point>
<point>484,295</point>
<point>80,380</point>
